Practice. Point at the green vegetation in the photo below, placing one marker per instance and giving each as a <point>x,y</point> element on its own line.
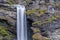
<point>49,20</point>
<point>5,34</point>
<point>41,12</point>
<point>12,1</point>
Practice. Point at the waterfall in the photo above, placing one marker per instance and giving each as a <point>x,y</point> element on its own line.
<point>21,23</point>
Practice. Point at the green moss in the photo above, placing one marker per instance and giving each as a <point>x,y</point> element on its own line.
<point>40,12</point>
<point>49,20</point>
<point>45,38</point>
<point>12,2</point>
<point>29,12</point>
<point>5,33</point>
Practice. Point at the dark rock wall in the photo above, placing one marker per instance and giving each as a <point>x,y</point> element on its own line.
<point>45,15</point>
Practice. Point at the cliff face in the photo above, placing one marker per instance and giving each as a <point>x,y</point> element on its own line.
<point>45,15</point>
<point>7,22</point>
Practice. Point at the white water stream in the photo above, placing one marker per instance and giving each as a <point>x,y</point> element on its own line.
<point>21,23</point>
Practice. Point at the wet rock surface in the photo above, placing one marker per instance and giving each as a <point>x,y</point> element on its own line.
<point>7,22</point>
<point>44,14</point>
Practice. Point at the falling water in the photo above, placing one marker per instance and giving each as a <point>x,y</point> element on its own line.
<point>21,23</point>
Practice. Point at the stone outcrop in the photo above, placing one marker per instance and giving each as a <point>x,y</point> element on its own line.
<point>45,15</point>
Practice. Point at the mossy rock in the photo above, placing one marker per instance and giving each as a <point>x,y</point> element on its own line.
<point>5,34</point>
